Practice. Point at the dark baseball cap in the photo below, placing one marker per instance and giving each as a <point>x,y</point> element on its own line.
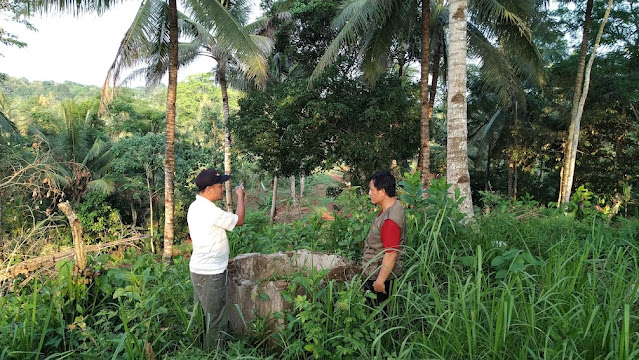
<point>210,177</point>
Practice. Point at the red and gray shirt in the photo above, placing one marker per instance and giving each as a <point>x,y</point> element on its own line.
<point>388,234</point>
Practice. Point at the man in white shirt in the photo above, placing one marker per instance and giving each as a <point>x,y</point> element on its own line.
<point>208,225</point>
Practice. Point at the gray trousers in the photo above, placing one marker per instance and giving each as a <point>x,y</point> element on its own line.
<point>210,292</point>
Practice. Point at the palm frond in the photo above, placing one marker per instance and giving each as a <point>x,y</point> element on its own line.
<point>375,53</point>
<point>508,24</point>
<point>187,53</point>
<point>9,128</point>
<point>231,35</point>
<point>58,175</point>
<point>75,7</point>
<point>264,43</point>
<point>259,26</point>
<point>357,17</point>
<point>158,64</point>
<point>132,76</point>
<point>490,127</point>
<point>38,135</point>
<point>129,53</point>
<point>484,140</point>
<point>240,10</point>
<point>349,9</point>
<point>98,148</point>
<point>492,11</point>
<point>438,23</point>
<point>103,164</point>
<point>197,32</point>
<point>497,72</point>
<point>103,185</point>
<point>71,135</point>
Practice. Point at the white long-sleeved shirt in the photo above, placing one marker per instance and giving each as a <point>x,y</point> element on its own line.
<point>208,225</point>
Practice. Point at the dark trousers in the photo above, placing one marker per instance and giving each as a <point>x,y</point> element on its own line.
<point>210,292</point>
<point>368,286</point>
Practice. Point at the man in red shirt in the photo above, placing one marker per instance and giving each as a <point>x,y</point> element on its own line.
<point>382,256</point>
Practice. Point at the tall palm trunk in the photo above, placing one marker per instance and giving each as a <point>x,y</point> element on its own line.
<point>512,158</point>
<point>221,72</point>
<point>564,196</point>
<point>457,145</point>
<point>273,199</point>
<point>437,56</point>
<point>512,177</point>
<point>150,194</point>
<point>570,155</point>
<point>424,152</point>
<point>169,154</point>
<point>487,172</point>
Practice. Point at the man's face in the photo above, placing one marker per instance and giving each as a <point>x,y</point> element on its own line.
<point>216,191</point>
<point>375,194</point>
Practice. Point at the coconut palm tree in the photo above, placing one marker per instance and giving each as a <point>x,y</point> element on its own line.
<point>579,99</point>
<point>8,128</point>
<point>229,65</point>
<point>82,150</point>
<point>152,39</point>
<point>170,34</point>
<point>564,192</point>
<point>457,144</point>
<point>497,31</point>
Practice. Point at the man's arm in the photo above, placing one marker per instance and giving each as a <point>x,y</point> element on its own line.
<point>239,211</point>
<point>388,262</point>
<point>390,234</point>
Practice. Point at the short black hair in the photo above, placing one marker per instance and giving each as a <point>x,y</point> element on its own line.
<point>383,179</point>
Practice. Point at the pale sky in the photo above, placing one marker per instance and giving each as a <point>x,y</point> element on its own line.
<point>78,49</point>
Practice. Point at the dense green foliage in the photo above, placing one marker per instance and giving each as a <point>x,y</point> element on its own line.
<point>66,149</point>
<point>293,128</point>
<point>526,279</point>
<point>522,282</point>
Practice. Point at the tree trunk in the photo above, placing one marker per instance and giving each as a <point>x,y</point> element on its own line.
<point>134,215</point>
<point>79,247</point>
<point>293,191</point>
<point>570,156</point>
<point>511,175</point>
<point>273,200</point>
<point>437,56</point>
<point>424,151</point>
<point>227,132</point>
<point>27,266</point>
<point>431,96</point>
<point>169,154</point>
<point>515,191</point>
<point>564,196</point>
<point>148,189</point>
<point>395,169</point>
<point>302,184</point>
<point>487,186</point>
<point>514,153</point>
<point>457,144</point>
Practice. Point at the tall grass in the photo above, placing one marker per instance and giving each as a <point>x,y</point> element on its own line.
<point>576,300</point>
<point>539,286</point>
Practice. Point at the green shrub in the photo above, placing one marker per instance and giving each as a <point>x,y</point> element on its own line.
<point>99,220</point>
